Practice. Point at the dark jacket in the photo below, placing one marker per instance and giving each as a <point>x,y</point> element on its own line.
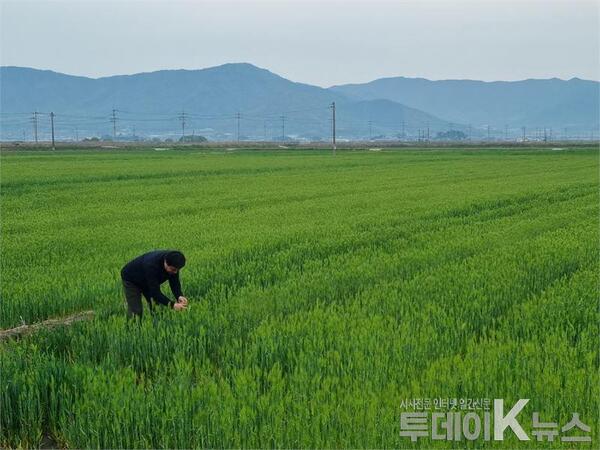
<point>148,272</point>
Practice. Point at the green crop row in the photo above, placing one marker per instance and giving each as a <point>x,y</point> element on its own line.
<point>323,293</point>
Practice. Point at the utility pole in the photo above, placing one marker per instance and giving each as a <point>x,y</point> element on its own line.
<point>545,135</point>
<point>282,128</point>
<point>403,129</point>
<point>265,129</point>
<point>238,116</point>
<point>182,117</point>
<point>52,126</point>
<point>524,129</point>
<point>370,130</point>
<point>34,121</point>
<point>113,119</point>
<point>427,131</point>
<point>488,132</point>
<point>76,134</point>
<point>333,126</point>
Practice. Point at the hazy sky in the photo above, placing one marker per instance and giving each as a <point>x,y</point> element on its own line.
<point>317,42</point>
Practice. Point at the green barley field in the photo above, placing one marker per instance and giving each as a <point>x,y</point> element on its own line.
<point>324,293</point>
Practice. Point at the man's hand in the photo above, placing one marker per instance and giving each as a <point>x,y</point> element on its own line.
<point>179,306</point>
<point>182,300</point>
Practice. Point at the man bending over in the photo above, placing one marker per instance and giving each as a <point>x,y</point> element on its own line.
<point>144,275</point>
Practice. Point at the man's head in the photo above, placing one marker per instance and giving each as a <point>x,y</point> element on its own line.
<point>174,261</point>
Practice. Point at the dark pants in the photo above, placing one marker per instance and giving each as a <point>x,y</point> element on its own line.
<point>133,299</point>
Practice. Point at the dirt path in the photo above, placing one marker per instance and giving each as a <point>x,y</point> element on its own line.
<point>48,324</point>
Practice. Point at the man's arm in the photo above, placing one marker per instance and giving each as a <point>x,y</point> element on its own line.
<point>157,295</point>
<point>154,288</point>
<point>175,285</point>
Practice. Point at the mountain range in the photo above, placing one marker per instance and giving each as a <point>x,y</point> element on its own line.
<point>247,102</point>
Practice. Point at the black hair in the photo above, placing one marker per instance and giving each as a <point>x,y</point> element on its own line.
<point>175,259</point>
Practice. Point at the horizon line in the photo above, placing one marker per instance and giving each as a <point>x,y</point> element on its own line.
<point>302,82</point>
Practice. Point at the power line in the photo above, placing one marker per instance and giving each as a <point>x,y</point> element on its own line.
<point>34,121</point>
<point>182,117</point>
<point>312,122</point>
<point>282,128</point>
<point>265,130</point>
<point>52,126</point>
<point>113,119</point>
<point>333,126</point>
